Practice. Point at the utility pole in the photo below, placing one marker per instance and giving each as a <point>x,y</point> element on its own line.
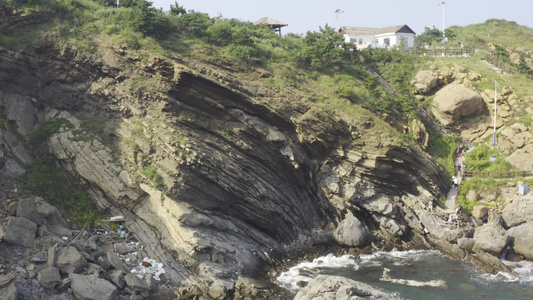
<point>338,11</point>
<point>443,35</point>
<point>495,105</point>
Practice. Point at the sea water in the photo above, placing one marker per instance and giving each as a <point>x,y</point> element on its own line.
<point>421,267</point>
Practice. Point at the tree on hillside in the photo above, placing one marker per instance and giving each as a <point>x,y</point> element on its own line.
<point>523,67</point>
<point>429,36</point>
<point>323,48</point>
<point>176,9</point>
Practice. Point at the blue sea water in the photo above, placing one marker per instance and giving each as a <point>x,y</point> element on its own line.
<point>462,281</point>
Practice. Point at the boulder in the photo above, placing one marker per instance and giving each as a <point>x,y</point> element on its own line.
<point>20,231</point>
<point>522,158</point>
<point>49,213</point>
<point>7,279</point>
<point>351,232</point>
<point>326,287</point>
<point>456,101</point>
<point>11,292</point>
<point>426,80</point>
<point>135,283</point>
<point>480,212</point>
<point>522,237</point>
<point>59,230</point>
<point>116,262</point>
<point>13,169</point>
<point>27,209</point>
<point>517,212</point>
<point>117,277</point>
<point>491,238</point>
<point>49,277</point>
<point>466,243</point>
<point>69,260</point>
<point>490,262</point>
<point>90,287</point>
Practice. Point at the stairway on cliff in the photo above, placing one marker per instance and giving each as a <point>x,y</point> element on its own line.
<point>451,198</point>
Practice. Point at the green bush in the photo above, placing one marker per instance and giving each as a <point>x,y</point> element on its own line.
<point>194,24</point>
<point>485,185</point>
<point>478,159</point>
<point>45,130</point>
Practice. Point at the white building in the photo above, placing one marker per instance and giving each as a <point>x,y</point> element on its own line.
<point>393,36</point>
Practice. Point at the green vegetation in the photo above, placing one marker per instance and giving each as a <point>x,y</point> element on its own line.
<point>479,160</point>
<point>442,148</point>
<point>318,68</point>
<point>150,172</point>
<point>481,185</point>
<point>45,179</point>
<point>45,130</point>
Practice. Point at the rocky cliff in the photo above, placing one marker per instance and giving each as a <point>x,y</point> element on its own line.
<point>219,177</point>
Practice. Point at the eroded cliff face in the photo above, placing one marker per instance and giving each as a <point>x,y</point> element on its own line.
<point>219,177</point>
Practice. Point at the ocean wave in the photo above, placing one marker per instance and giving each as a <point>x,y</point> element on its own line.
<point>305,272</point>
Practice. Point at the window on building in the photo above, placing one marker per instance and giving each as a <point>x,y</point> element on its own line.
<point>360,41</point>
<point>386,41</point>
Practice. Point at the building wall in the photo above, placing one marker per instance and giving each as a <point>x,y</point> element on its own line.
<point>379,41</point>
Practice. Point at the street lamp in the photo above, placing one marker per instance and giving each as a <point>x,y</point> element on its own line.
<point>338,11</point>
<point>443,35</point>
<point>442,4</point>
<point>495,103</point>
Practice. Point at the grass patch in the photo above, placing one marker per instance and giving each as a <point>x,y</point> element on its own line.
<point>45,130</point>
<point>46,180</point>
<point>480,185</point>
<point>479,160</point>
<point>441,147</point>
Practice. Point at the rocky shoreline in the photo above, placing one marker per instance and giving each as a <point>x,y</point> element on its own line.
<point>219,177</point>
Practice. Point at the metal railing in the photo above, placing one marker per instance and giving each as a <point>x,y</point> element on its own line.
<point>500,175</point>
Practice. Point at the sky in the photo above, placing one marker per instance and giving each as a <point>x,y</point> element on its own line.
<point>310,15</point>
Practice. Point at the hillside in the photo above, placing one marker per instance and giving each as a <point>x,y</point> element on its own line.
<point>228,149</point>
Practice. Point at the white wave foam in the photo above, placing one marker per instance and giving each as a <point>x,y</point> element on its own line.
<point>522,272</point>
<point>377,259</point>
<point>307,271</point>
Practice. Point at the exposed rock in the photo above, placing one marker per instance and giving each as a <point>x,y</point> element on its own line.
<point>49,213</point>
<point>60,231</point>
<point>491,238</point>
<point>522,158</point>
<point>518,211</point>
<point>116,262</point>
<point>7,279</point>
<point>90,287</point>
<point>351,232</point>
<point>20,231</point>
<point>522,236</point>
<point>420,133</point>
<point>69,260</point>
<point>13,169</point>
<point>480,212</point>
<point>11,292</point>
<point>472,195</point>
<point>27,209</point>
<point>436,227</point>
<point>49,277</point>
<point>456,101</point>
<point>425,81</point>
<point>489,262</point>
<point>339,288</point>
<point>466,243</point>
<point>117,277</point>
<point>135,283</point>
